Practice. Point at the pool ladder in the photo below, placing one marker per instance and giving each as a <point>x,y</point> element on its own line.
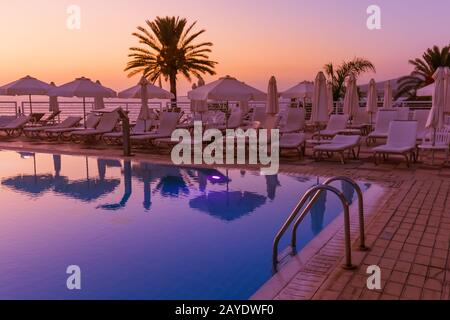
<point>316,191</point>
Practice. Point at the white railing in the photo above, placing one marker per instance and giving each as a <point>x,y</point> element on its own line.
<point>71,108</point>
<point>9,108</point>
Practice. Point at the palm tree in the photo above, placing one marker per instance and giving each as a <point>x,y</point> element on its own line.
<point>168,50</point>
<point>424,69</point>
<point>338,75</point>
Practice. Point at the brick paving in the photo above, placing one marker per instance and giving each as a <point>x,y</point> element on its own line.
<point>408,235</point>
<point>411,246</point>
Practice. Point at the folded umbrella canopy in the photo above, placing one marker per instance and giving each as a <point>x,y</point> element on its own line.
<point>351,99</point>
<point>436,118</point>
<point>53,101</point>
<point>372,99</point>
<point>388,99</point>
<point>319,108</point>
<point>330,100</point>
<point>447,90</point>
<point>83,88</point>
<point>273,106</point>
<point>26,86</point>
<point>144,90</point>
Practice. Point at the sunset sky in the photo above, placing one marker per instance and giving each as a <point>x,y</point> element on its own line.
<point>253,39</point>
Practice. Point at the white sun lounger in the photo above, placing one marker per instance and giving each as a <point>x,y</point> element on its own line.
<point>421,116</point>
<point>141,127</point>
<point>339,144</point>
<point>68,123</point>
<point>402,140</point>
<point>168,124</point>
<point>360,123</point>
<point>293,141</point>
<point>403,114</point>
<point>108,123</point>
<point>384,119</point>
<point>234,122</point>
<point>64,133</point>
<point>5,120</point>
<point>336,124</point>
<point>295,121</point>
<point>259,114</point>
<point>16,126</point>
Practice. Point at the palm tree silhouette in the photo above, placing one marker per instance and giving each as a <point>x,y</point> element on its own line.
<point>339,74</point>
<point>168,50</point>
<point>424,69</point>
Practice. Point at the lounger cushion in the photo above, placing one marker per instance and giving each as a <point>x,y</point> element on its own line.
<point>292,140</point>
<point>340,143</point>
<point>148,136</point>
<point>388,149</point>
<point>376,134</point>
<point>88,132</point>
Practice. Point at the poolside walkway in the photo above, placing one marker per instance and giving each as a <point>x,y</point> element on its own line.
<point>408,233</point>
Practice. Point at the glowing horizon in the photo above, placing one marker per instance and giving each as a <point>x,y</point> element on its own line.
<point>253,40</point>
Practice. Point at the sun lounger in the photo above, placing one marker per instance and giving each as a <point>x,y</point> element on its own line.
<point>340,144</point>
<point>259,114</point>
<point>421,116</point>
<point>293,141</point>
<point>108,123</point>
<point>295,121</point>
<point>336,124</point>
<point>384,119</point>
<point>141,127</point>
<point>441,140</point>
<point>36,117</point>
<point>68,123</point>
<point>5,120</point>
<point>190,124</point>
<point>168,124</point>
<point>402,140</point>
<point>234,122</point>
<point>51,119</point>
<point>65,133</point>
<point>403,114</point>
<point>360,124</point>
<point>15,127</point>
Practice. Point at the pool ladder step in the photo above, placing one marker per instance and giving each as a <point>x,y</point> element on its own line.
<point>295,219</point>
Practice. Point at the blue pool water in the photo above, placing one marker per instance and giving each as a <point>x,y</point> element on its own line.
<point>141,230</point>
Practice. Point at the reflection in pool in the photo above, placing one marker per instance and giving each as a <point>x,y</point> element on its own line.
<point>143,231</point>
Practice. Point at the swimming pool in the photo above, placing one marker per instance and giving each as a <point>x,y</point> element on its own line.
<point>143,231</point>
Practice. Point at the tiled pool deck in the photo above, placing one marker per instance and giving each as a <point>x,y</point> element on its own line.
<point>408,230</point>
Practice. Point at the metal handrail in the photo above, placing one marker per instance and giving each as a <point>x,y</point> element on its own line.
<point>362,246</point>
<point>305,198</point>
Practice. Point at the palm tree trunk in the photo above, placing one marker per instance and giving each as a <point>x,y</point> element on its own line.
<point>173,88</point>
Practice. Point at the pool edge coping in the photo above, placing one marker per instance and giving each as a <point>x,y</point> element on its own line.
<point>279,281</point>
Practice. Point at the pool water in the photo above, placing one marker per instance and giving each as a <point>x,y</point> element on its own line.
<point>143,231</point>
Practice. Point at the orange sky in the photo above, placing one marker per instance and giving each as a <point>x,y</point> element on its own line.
<point>291,39</point>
